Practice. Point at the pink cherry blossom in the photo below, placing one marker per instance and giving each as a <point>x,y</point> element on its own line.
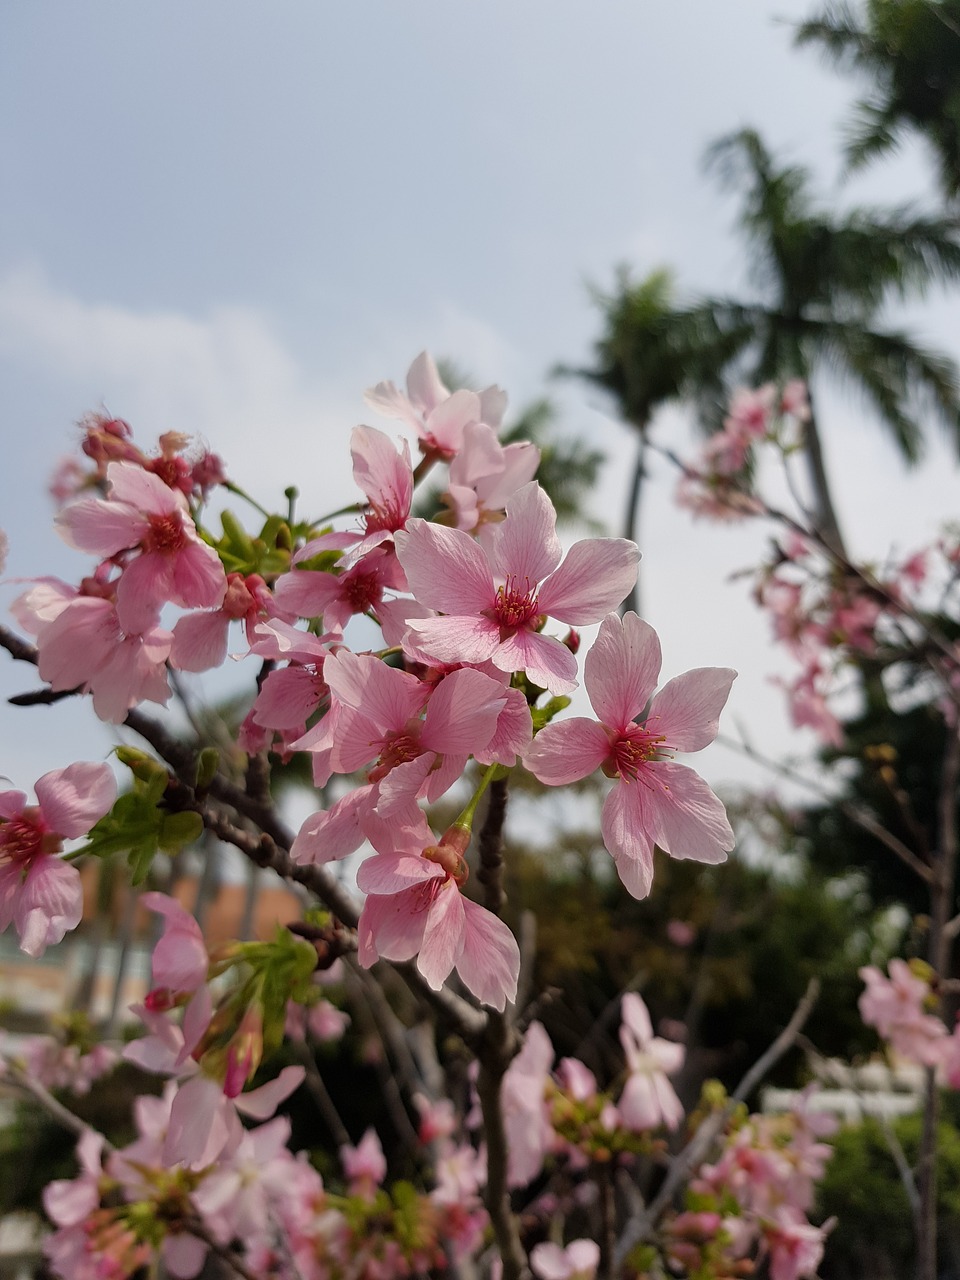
<point>485,474</point>
<point>894,1006</point>
<point>39,892</point>
<point>365,1165</point>
<point>655,801</point>
<point>180,962</point>
<point>438,417</point>
<point>648,1099</point>
<point>496,601</point>
<point>414,907</point>
<point>200,639</point>
<point>578,1261</point>
<point>526,1114</point>
<point>143,514</point>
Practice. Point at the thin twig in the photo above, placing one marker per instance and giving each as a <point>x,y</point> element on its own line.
<point>859,817</point>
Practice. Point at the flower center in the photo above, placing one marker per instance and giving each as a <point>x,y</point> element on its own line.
<point>165,534</point>
<point>398,750</point>
<point>515,607</point>
<point>636,747</point>
<point>361,591</point>
<point>24,838</point>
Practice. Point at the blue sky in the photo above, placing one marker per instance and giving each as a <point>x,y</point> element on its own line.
<point>231,218</point>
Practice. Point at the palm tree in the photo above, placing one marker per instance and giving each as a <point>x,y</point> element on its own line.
<point>652,352</point>
<point>823,280</point>
<point>911,50</point>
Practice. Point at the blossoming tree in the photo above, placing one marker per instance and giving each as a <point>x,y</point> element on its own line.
<point>410,659</point>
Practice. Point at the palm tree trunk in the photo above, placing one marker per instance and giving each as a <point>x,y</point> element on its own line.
<point>631,519</point>
<point>825,513</point>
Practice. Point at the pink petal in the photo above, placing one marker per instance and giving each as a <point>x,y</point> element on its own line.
<point>183,1255</point>
<point>392,873</point>
<point>306,593</point>
<point>260,1104</point>
<point>198,1130</point>
<point>143,489</point>
<point>513,734</point>
<point>335,832</point>
<point>101,527</point>
<point>383,695</point>
<point>457,639</point>
<point>626,829</point>
<point>200,641</point>
<point>442,935</point>
<point>687,709</point>
<point>636,1017</point>
<point>546,661</point>
<point>358,742</point>
<point>75,798</point>
<point>621,669</point>
<point>391,925</point>
<point>462,713</point>
<point>595,577</point>
<point>567,751</point>
<point>383,474</point>
<point>50,903</point>
<point>288,697</point>
<point>489,962</point>
<point>690,821</point>
<point>525,545</point>
<point>445,568</point>
<point>145,585</point>
<point>424,385</point>
<point>447,421</point>
<point>199,580</point>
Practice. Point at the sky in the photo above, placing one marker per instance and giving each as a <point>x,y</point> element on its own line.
<point>230,219</point>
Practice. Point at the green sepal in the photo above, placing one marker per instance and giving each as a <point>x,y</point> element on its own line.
<point>177,830</point>
<point>543,715</point>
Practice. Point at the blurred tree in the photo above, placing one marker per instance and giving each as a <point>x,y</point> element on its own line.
<point>653,352</point>
<point>910,49</point>
<point>824,279</point>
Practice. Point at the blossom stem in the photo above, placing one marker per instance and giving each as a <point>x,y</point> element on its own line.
<point>241,493</point>
<point>466,817</point>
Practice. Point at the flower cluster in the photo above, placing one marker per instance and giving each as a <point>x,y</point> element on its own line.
<point>471,621</point>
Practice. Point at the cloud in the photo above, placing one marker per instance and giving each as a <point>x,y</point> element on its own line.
<point>224,376</point>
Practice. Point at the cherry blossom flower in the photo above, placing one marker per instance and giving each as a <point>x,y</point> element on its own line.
<point>414,907</point>
<point>180,962</point>
<point>200,639</point>
<point>142,513</point>
<point>655,801</point>
<point>485,474</point>
<point>894,1006</point>
<point>648,1099</point>
<point>526,1115</point>
<point>39,892</point>
<point>578,1261</point>
<point>496,602</point>
<point>365,1165</point>
<point>438,417</point>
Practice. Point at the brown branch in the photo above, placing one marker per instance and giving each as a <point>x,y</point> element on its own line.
<point>696,1149</point>
<point>498,1046</point>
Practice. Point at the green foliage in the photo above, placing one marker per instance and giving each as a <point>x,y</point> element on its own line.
<point>266,553</point>
<point>862,1188</point>
<point>139,824</point>
<point>910,52</point>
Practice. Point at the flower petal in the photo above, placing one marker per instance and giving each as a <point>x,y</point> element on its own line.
<point>687,709</point>
<point>525,545</point>
<point>621,669</point>
<point>567,751</point>
<point>594,578</point>
<point>445,568</point>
